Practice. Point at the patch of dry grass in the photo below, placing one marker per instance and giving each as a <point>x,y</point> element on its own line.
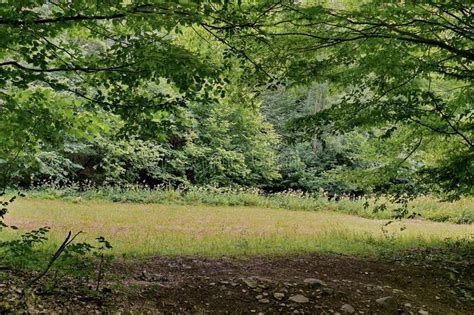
<point>152,229</point>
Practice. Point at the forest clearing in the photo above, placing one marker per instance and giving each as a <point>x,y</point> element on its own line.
<point>223,258</point>
<point>145,230</point>
<point>236,157</point>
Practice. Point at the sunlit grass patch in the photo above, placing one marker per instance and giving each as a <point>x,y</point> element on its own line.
<point>430,208</point>
<point>151,229</point>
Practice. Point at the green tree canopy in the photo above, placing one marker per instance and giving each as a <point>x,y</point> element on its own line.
<point>393,65</point>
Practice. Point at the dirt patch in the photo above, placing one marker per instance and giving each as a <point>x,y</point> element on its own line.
<point>309,284</point>
<point>305,284</point>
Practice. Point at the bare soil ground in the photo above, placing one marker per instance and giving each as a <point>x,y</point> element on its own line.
<point>274,285</point>
<point>190,285</point>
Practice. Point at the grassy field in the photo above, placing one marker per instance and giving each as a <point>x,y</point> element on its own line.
<point>429,208</point>
<point>167,229</point>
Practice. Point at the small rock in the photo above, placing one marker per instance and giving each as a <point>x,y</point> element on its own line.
<point>387,302</point>
<point>407,305</point>
<point>299,298</point>
<point>264,301</point>
<point>347,309</point>
<point>251,283</point>
<point>423,312</point>
<point>315,283</point>
<point>262,279</point>
<point>327,291</point>
<point>258,297</point>
<point>279,296</point>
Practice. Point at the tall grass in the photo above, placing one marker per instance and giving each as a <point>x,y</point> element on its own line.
<point>459,212</point>
<point>140,230</point>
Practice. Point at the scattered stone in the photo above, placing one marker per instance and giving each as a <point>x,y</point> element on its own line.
<point>327,291</point>
<point>149,277</point>
<point>387,302</point>
<point>407,305</point>
<point>423,312</point>
<point>299,298</point>
<point>262,279</point>
<point>264,301</point>
<point>279,296</point>
<point>251,283</point>
<point>347,309</point>
<point>258,297</point>
<point>315,283</point>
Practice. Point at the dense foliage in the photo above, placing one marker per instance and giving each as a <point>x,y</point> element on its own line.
<point>397,70</point>
<point>337,96</point>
